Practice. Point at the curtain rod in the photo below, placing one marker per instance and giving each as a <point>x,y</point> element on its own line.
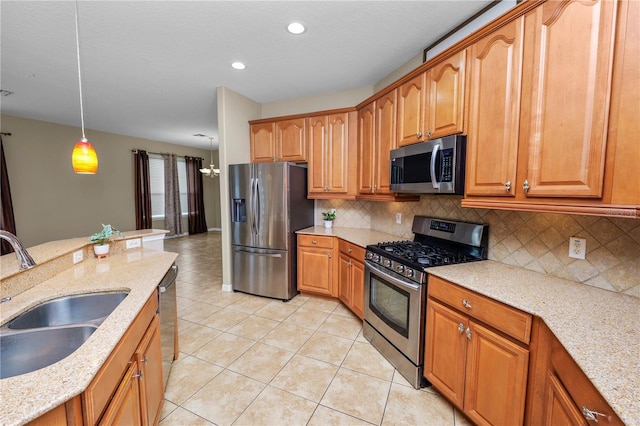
<point>135,151</point>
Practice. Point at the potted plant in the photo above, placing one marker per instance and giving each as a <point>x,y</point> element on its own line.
<point>102,239</point>
<point>329,217</point>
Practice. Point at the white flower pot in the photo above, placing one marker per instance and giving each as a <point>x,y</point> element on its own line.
<point>101,250</point>
<point>328,223</point>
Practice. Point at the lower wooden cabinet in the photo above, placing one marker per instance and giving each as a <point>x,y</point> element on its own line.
<point>477,367</point>
<point>351,277</point>
<point>124,408</point>
<point>316,265</point>
<point>563,394</point>
<point>149,360</point>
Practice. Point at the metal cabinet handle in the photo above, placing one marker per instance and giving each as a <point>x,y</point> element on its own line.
<point>419,134</point>
<point>349,250</point>
<point>525,186</point>
<point>349,264</point>
<point>591,415</point>
<point>468,333</point>
<point>507,186</point>
<point>428,133</point>
<point>314,241</point>
<point>145,360</point>
<point>329,254</point>
<point>137,376</point>
<point>375,188</point>
<point>461,328</point>
<point>466,303</point>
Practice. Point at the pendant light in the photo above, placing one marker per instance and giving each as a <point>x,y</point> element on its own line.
<point>211,172</point>
<point>84,157</point>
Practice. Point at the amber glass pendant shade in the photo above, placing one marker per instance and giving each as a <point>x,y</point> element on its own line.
<point>84,158</point>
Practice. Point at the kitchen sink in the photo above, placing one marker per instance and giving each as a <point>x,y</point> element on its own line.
<point>22,352</point>
<point>83,308</point>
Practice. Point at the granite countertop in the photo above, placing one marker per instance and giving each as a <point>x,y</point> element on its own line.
<point>359,236</point>
<point>137,271</point>
<point>598,328</point>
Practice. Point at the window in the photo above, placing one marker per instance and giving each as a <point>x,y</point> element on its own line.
<point>156,183</point>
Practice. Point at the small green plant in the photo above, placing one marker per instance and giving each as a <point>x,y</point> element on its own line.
<point>329,215</point>
<point>105,235</point>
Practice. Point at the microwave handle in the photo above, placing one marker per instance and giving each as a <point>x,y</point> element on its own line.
<point>432,168</point>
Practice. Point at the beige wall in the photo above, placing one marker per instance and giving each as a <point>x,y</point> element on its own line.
<point>234,112</point>
<point>399,72</point>
<point>535,241</point>
<point>325,101</point>
<point>51,202</point>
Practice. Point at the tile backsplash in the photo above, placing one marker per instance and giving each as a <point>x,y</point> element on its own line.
<point>535,241</point>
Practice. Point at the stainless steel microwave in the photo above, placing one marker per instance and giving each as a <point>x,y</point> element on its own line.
<point>433,167</point>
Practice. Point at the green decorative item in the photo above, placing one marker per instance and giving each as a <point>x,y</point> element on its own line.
<point>105,235</point>
<point>329,217</point>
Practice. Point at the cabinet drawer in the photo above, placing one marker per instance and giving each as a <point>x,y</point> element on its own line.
<point>352,250</point>
<point>315,241</point>
<point>509,320</point>
<point>579,387</point>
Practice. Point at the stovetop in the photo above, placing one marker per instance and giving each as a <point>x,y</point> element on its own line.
<point>437,242</point>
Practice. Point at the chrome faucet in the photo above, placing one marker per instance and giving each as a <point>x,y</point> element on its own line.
<point>24,258</point>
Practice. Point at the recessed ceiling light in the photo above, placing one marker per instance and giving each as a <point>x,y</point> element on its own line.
<point>296,28</point>
<point>238,65</point>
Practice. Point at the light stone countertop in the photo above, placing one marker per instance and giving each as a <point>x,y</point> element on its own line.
<point>138,271</point>
<point>598,328</point>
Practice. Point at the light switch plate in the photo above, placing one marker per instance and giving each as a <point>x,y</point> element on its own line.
<point>398,218</point>
<point>133,243</point>
<point>77,256</point>
<point>577,247</point>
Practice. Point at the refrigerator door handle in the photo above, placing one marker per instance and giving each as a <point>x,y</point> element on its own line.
<point>252,206</point>
<point>258,204</point>
<point>259,254</point>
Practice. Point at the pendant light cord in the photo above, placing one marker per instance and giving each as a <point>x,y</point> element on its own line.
<point>79,73</point>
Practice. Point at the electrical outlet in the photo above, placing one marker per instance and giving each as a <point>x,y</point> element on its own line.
<point>133,243</point>
<point>398,218</point>
<point>577,247</point>
<point>77,256</point>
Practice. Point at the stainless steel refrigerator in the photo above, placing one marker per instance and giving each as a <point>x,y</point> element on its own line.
<point>268,204</point>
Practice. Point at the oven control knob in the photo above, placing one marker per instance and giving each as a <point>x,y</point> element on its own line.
<point>369,255</point>
<point>376,258</point>
<point>387,263</point>
<point>399,269</point>
<point>409,273</point>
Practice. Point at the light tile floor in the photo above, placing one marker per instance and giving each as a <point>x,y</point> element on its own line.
<point>247,360</point>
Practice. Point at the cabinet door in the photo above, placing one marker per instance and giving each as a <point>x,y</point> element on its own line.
<point>560,409</point>
<point>344,280</point>
<point>317,154</point>
<point>496,378</point>
<point>411,111</point>
<point>262,139</point>
<point>338,153</point>
<point>124,408</point>
<point>385,141</point>
<point>567,98</point>
<point>292,140</point>
<point>149,357</point>
<point>446,96</point>
<point>494,112</point>
<point>445,351</point>
<point>315,270</point>
<point>366,137</point>
<point>357,288</point>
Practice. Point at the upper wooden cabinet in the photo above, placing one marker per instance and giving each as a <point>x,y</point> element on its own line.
<point>332,146</point>
<point>569,66</point>
<point>431,104</point>
<point>283,140</point>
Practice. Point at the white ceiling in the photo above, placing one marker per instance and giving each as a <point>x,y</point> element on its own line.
<point>150,68</point>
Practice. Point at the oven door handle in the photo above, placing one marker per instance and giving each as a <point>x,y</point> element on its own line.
<point>432,168</point>
<point>401,282</point>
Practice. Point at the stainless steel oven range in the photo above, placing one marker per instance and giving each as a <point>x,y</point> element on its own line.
<point>395,287</point>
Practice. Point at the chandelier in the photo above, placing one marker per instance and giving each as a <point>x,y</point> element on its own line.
<point>210,172</point>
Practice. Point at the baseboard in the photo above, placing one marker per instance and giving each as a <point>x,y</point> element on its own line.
<point>214,229</point>
<point>227,287</point>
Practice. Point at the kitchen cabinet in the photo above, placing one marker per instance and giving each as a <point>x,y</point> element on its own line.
<point>564,394</point>
<point>129,387</point>
<point>476,353</point>
<point>410,119</point>
<point>351,277</point>
<point>332,155</point>
<point>281,140</point>
<point>317,265</point>
<point>69,413</point>
<point>557,153</point>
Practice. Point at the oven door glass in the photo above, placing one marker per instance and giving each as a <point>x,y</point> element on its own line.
<point>390,304</point>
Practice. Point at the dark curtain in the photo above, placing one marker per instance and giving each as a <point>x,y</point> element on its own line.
<point>195,199</point>
<point>143,191</point>
<point>172,208</point>
<point>8,221</point>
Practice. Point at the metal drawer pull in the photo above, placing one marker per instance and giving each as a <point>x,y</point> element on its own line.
<point>507,186</point>
<point>591,415</point>
<point>468,333</point>
<point>349,250</point>
<point>145,360</point>
<point>329,254</point>
<point>314,241</point>
<point>466,303</point>
<point>461,328</point>
<point>136,376</point>
<point>525,186</point>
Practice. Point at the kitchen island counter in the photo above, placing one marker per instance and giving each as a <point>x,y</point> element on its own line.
<point>598,328</point>
<point>137,271</point>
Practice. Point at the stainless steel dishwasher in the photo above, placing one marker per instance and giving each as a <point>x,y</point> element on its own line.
<point>167,308</point>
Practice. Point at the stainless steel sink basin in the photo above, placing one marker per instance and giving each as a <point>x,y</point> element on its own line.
<point>26,351</point>
<point>77,309</point>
